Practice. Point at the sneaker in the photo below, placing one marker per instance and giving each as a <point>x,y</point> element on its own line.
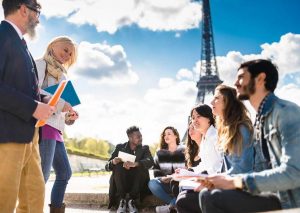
<point>122,206</point>
<point>162,209</point>
<point>132,207</point>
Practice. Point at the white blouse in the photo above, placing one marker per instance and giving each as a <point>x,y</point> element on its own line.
<point>211,156</point>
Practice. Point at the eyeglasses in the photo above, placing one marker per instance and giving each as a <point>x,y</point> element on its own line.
<point>36,10</point>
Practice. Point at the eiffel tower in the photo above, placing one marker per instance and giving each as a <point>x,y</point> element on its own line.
<point>209,75</point>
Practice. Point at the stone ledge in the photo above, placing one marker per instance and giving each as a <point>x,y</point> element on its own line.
<point>100,200</point>
<point>86,200</point>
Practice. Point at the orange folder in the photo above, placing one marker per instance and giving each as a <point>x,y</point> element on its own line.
<point>53,101</point>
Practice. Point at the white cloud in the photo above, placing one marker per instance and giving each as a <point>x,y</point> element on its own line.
<point>289,92</point>
<point>160,107</point>
<point>184,74</point>
<point>172,91</point>
<point>102,63</point>
<point>60,8</point>
<point>111,15</point>
<point>285,53</point>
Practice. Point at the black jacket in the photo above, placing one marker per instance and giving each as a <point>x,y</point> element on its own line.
<point>18,88</point>
<point>143,156</point>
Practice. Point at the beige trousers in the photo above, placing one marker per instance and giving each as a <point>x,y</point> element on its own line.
<point>21,177</point>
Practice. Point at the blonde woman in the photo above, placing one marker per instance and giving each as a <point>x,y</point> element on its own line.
<point>52,69</point>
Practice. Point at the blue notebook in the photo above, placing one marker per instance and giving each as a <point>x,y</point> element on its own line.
<point>69,94</point>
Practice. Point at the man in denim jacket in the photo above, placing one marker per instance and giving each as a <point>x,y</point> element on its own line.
<point>277,132</point>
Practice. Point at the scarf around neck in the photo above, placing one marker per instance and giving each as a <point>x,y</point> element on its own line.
<point>54,68</point>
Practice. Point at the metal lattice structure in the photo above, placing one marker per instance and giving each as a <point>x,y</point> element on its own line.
<point>209,75</point>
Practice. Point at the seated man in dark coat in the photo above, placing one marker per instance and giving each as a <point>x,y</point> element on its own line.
<point>129,177</point>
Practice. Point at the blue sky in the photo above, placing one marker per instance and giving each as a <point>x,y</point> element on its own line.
<point>138,61</point>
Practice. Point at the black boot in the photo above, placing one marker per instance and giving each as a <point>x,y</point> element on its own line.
<point>57,209</point>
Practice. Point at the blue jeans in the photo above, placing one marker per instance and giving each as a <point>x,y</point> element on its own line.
<point>53,153</point>
<point>162,191</point>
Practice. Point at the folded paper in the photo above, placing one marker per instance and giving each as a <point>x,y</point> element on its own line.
<point>126,157</point>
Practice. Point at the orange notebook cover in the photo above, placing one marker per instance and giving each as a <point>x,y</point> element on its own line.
<point>54,99</point>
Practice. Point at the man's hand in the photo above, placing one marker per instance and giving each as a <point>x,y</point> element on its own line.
<point>220,182</point>
<point>43,111</point>
<point>46,99</point>
<point>116,160</point>
<point>128,165</point>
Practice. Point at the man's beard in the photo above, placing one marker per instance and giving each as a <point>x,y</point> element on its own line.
<point>31,25</point>
<point>248,90</point>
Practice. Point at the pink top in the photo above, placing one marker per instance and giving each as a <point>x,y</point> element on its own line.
<point>50,133</point>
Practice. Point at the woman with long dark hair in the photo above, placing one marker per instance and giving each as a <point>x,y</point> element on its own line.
<point>168,158</point>
<point>201,129</point>
<point>192,147</point>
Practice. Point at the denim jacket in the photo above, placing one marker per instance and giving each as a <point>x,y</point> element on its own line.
<point>243,163</point>
<point>282,132</point>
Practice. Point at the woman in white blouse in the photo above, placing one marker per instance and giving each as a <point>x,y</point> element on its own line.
<point>211,156</point>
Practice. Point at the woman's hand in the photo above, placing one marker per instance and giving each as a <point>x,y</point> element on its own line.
<point>70,117</point>
<point>67,107</point>
<point>73,115</point>
<point>166,179</point>
<point>199,188</point>
<point>177,171</point>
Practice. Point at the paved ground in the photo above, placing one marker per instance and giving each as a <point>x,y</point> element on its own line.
<point>96,183</point>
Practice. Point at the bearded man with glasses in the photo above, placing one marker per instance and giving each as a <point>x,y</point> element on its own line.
<point>21,178</point>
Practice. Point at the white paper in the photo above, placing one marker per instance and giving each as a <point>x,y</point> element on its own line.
<point>189,184</point>
<point>186,174</point>
<point>126,157</point>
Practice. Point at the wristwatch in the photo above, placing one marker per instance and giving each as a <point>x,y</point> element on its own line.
<point>239,183</point>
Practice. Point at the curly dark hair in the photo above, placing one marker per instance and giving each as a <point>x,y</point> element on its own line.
<point>132,129</point>
<point>162,143</point>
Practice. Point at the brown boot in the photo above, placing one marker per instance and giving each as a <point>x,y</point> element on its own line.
<point>57,210</point>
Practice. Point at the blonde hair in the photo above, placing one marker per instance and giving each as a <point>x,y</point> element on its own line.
<point>235,114</point>
<point>63,39</point>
